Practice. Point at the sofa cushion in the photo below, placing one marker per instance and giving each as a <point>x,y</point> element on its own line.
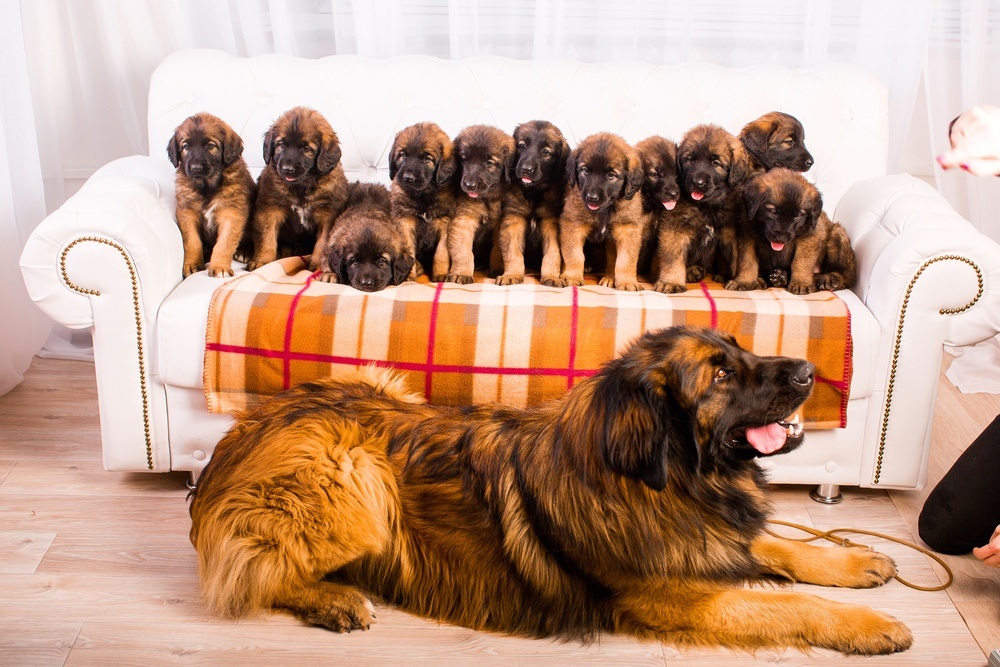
<point>515,345</point>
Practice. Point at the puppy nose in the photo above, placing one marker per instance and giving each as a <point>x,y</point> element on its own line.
<point>197,168</point>
<point>698,181</point>
<point>591,197</point>
<point>528,169</point>
<point>288,170</point>
<point>803,375</point>
<point>808,163</point>
<point>408,177</point>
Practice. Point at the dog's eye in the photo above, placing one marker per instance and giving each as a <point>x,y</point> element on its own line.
<point>612,176</point>
<point>382,261</point>
<point>429,160</point>
<point>723,373</point>
<point>652,174</point>
<point>212,146</point>
<point>490,164</point>
<point>309,151</point>
<point>546,152</point>
<point>717,164</point>
<point>583,171</point>
<point>788,143</point>
<point>521,145</point>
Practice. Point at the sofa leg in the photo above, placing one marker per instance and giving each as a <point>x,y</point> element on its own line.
<point>192,481</point>
<point>828,494</point>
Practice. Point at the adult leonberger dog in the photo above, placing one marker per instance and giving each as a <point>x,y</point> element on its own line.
<point>797,246</point>
<point>683,239</point>
<point>214,192</point>
<point>604,173</point>
<point>366,250</point>
<point>776,139</point>
<point>301,190</point>
<point>421,165</point>
<point>485,157</point>
<point>713,165</point>
<point>533,204</point>
<point>631,505</point>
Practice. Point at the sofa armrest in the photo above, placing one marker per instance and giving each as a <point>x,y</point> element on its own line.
<point>929,278</point>
<point>106,260</point>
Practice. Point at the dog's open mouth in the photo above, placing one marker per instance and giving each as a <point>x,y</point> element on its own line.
<point>767,439</point>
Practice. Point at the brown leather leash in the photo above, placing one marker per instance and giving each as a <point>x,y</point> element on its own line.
<point>831,536</point>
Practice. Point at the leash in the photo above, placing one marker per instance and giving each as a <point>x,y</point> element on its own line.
<point>831,536</point>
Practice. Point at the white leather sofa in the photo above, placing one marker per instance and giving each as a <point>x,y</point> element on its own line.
<point>110,258</point>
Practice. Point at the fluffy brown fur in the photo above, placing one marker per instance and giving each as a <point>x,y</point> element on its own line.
<point>683,238</point>
<point>604,173</point>
<point>485,157</point>
<point>631,505</point>
<point>796,245</point>
<point>301,190</point>
<point>534,202</point>
<point>713,164</point>
<point>214,192</point>
<point>422,165</point>
<point>366,249</point>
<point>776,139</point>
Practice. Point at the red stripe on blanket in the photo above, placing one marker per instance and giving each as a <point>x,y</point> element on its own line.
<point>711,304</point>
<point>574,321</point>
<point>289,323</point>
<point>431,336</point>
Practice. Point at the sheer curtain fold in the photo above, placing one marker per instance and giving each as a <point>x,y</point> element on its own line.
<point>83,67</point>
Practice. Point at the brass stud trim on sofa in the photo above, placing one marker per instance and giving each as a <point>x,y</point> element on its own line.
<point>138,322</point>
<point>899,339</point>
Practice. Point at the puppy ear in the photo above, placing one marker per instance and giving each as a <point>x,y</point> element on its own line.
<point>562,157</point>
<point>740,166</point>
<point>329,155</point>
<point>571,167</point>
<point>401,265</point>
<point>269,145</point>
<point>232,147</point>
<point>816,210</point>
<point>174,150</point>
<point>447,166</point>
<point>392,158</point>
<point>509,161</point>
<point>629,431</point>
<point>634,176</point>
<point>757,136</point>
<point>754,195</point>
<point>334,261</point>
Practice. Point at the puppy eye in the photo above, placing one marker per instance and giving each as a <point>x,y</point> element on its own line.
<point>788,143</point>
<point>583,171</point>
<point>212,146</point>
<point>652,174</point>
<point>428,159</point>
<point>309,150</point>
<point>612,176</point>
<point>382,261</point>
<point>723,373</point>
<point>717,164</point>
<point>521,145</point>
<point>686,159</point>
<point>546,152</point>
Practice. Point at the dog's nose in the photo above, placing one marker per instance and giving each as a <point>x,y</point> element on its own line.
<point>408,176</point>
<point>528,169</point>
<point>698,181</point>
<point>591,197</point>
<point>197,168</point>
<point>808,163</point>
<point>803,374</point>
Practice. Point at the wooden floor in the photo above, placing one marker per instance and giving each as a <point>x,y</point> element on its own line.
<point>96,567</point>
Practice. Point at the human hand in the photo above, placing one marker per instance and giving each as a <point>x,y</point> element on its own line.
<point>975,142</point>
<point>990,553</point>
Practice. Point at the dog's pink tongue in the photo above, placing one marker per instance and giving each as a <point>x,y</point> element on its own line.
<point>669,205</point>
<point>695,195</point>
<point>767,439</point>
<point>473,194</point>
<point>525,179</point>
<point>777,247</point>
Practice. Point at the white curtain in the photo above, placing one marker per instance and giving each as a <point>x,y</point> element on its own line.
<point>88,66</point>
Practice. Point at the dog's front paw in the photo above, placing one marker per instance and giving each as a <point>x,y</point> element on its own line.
<point>255,264</point>
<point>458,279</point>
<point>193,267</point>
<point>694,274</point>
<point>570,280</point>
<point>778,278</point>
<point>665,287</point>
<point>327,277</point>
<point>553,281</point>
<point>606,281</point>
<point>801,287</point>
<point>866,569</point>
<point>510,279</point>
<point>829,281</point>
<point>351,612</point>
<point>628,286</point>
<point>870,632</point>
<point>745,286</point>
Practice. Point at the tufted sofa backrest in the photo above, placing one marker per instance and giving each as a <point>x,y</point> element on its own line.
<point>843,107</point>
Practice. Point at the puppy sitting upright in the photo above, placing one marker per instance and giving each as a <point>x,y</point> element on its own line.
<point>421,166</point>
<point>796,244</point>
<point>302,189</point>
<point>366,250</point>
<point>604,174</point>
<point>776,139</point>
<point>485,155</point>
<point>533,204</point>
<point>214,192</point>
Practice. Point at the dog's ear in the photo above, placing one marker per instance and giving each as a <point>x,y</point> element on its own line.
<point>571,179</point>
<point>756,136</point>
<point>509,156</point>
<point>562,157</point>
<point>174,150</point>
<point>329,154</point>
<point>740,166</point>
<point>628,429</point>
<point>334,261</point>
<point>816,209</point>
<point>392,158</point>
<point>634,175</point>
<point>754,194</point>
<point>447,166</point>
<point>232,147</point>
<point>269,145</point>
<point>401,265</point>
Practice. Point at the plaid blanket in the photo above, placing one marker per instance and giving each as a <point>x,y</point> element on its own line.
<point>517,345</point>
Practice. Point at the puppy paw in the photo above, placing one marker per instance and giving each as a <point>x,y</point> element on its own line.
<point>571,281</point>
<point>628,286</point>
<point>415,271</point>
<point>694,273</point>
<point>829,281</point>
<point>458,279</point>
<point>778,278</point>
<point>253,265</point>
<point>220,271</point>
<point>665,287</point>
<point>553,281</point>
<point>606,281</point>
<point>801,287</point>
<point>327,277</point>
<point>742,286</point>
<point>512,279</point>
<point>193,267</point>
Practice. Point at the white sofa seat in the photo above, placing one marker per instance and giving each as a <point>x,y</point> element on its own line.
<point>110,258</point>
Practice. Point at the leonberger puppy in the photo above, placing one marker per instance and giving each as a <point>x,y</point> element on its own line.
<point>682,242</point>
<point>421,165</point>
<point>533,204</point>
<point>366,249</point>
<point>301,190</point>
<point>485,158</point>
<point>214,192</point>
<point>604,173</point>
<point>631,505</point>
<point>797,246</point>
<point>713,165</point>
<point>776,139</point>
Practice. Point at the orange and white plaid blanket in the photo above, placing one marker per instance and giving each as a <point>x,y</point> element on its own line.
<point>277,327</point>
